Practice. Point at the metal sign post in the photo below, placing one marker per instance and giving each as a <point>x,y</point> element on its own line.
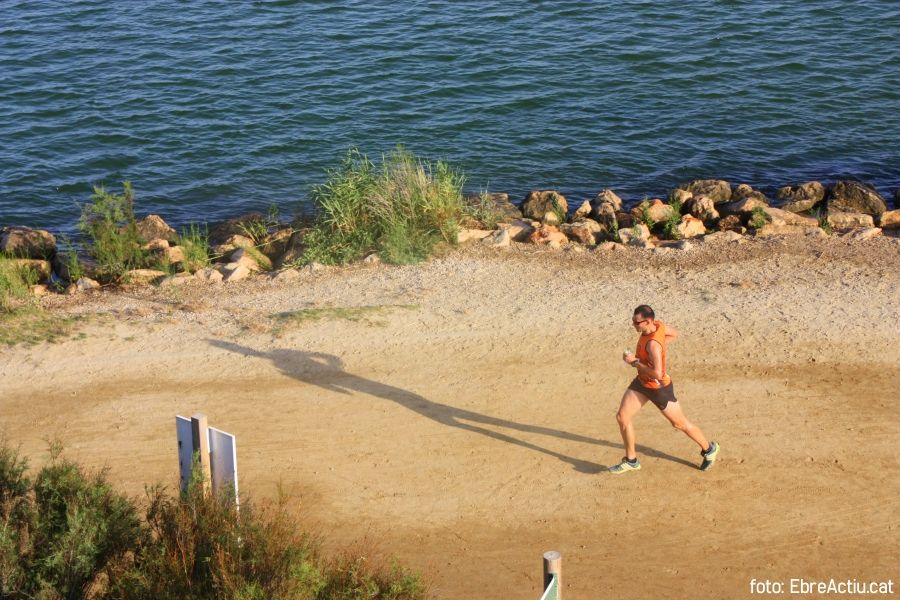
<point>215,450</point>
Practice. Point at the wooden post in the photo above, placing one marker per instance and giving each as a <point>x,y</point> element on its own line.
<point>200,438</point>
<point>553,566</point>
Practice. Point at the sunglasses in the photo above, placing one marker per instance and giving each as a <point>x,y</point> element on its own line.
<point>639,322</point>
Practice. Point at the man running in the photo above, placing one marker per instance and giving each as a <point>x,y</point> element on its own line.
<point>653,384</point>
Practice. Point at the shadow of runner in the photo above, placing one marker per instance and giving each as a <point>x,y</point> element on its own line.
<point>327,371</point>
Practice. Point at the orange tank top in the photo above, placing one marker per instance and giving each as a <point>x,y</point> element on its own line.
<point>644,355</point>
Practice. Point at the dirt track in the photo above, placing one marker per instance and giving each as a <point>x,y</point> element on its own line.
<point>466,426</point>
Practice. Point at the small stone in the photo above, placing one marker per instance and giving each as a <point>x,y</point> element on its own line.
<point>286,275</point>
<point>209,275</point>
<point>498,239</point>
<point>235,272</point>
<point>864,234</point>
<point>177,279</point>
<point>372,259</point>
<point>467,235</point>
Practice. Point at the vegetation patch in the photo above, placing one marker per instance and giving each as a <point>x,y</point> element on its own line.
<point>402,209</point>
<point>363,314</point>
<point>15,285</point>
<point>33,326</point>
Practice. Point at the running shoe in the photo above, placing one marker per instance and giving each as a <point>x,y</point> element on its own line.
<point>625,466</point>
<point>709,457</point>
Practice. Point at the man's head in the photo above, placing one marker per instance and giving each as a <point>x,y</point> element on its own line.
<point>643,318</point>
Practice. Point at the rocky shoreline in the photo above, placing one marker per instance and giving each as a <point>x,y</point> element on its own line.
<point>699,210</point>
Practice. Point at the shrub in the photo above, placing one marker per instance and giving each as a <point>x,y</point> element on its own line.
<point>758,218</point>
<point>109,223</point>
<point>195,245</point>
<point>15,285</point>
<point>670,225</point>
<point>484,210</point>
<point>402,209</point>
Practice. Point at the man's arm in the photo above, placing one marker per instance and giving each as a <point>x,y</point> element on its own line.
<point>654,372</point>
<point>671,334</point>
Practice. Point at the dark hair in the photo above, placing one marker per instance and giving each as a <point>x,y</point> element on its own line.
<point>645,312</point>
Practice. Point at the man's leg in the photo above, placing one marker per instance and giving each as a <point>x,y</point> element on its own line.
<point>676,417</point>
<point>632,402</point>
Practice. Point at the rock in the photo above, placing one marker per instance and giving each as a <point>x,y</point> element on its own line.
<point>221,251</point>
<point>744,191</point>
<point>498,239</point>
<point>274,245</point>
<point>890,219</point>
<point>235,272</point>
<point>540,205</point>
<point>897,198</point>
<point>252,259</point>
<point>845,220</point>
<point>634,236</point>
<point>624,220</point>
<point>40,290</point>
<point>604,213</point>
<point>690,227</point>
<point>654,210</point>
<point>314,267</point>
<point>40,267</point>
<point>178,279</point>
<point>519,229</point>
<point>86,284</point>
<point>294,248</point>
<point>731,223</point>
<point>220,232</point>
<point>583,211</point>
<point>546,235</point>
<point>863,234</point>
<point>467,235</point>
<point>717,189</point>
<point>732,236</point>
<point>579,232</point>
<point>610,246</point>
<point>152,227</point>
<point>174,254</point>
<point>209,275</point>
<point>496,203</point>
<point>24,242</point>
<point>141,276</point>
<point>606,197</point>
<point>815,233</point>
<point>61,266</point>
<point>800,198</point>
<point>856,197</point>
<point>156,245</point>
<point>372,259</point>
<point>702,207</point>
<point>684,245</point>
<point>682,196</point>
<point>287,275</point>
<point>781,222</point>
<point>745,206</point>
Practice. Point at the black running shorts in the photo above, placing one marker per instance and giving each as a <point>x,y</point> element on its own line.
<point>660,397</point>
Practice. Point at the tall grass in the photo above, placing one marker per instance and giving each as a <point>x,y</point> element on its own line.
<point>15,285</point>
<point>108,222</point>
<point>195,245</point>
<point>402,209</point>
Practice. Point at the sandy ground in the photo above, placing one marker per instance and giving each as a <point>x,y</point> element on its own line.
<point>466,425</point>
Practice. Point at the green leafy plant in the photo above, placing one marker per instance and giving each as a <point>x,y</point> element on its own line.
<point>614,230</point>
<point>645,213</point>
<point>484,210</point>
<point>558,211</point>
<point>402,209</point>
<point>194,243</point>
<point>670,225</point>
<point>108,222</point>
<point>821,217</point>
<point>68,254</point>
<point>758,218</point>
<point>15,285</point>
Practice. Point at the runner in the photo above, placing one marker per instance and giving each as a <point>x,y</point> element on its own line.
<point>653,384</point>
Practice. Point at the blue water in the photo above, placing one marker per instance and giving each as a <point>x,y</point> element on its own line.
<point>211,109</point>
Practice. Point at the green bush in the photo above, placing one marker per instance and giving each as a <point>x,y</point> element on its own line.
<point>758,218</point>
<point>402,209</point>
<point>108,222</point>
<point>195,245</point>
<point>67,534</point>
<point>15,285</point>
<point>670,225</point>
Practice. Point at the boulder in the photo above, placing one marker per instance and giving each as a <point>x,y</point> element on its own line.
<point>61,266</point>
<point>732,223</point>
<point>781,221</point>
<point>845,220</point>
<point>580,232</point>
<point>654,210</point>
<point>496,203</point>
<point>220,232</point>
<point>140,276</point>
<point>863,234</point>
<point>717,189</point>
<point>610,246</point>
<point>294,248</point>
<point>467,235</point>
<point>702,207</point>
<point>40,290</point>
<point>624,219</point>
<point>498,239</point>
<point>519,229</point>
<point>209,275</point>
<point>856,197</point>
<point>683,196</point>
<point>890,219</point>
<point>24,242</point>
<point>86,284</point>
<point>176,280</point>
<point>157,244</point>
<point>543,206</point>
<point>606,197</point>
<point>234,272</point>
<point>547,235</point>
<point>583,211</point>
<point>231,243</point>
<point>690,227</point>
<point>152,227</point>
<point>635,235</point>
<point>744,191</point>
<point>744,206</point>
<point>274,245</point>
<point>38,266</point>
<point>251,258</point>
<point>800,198</point>
<point>604,213</point>
<point>287,275</point>
<point>174,254</point>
